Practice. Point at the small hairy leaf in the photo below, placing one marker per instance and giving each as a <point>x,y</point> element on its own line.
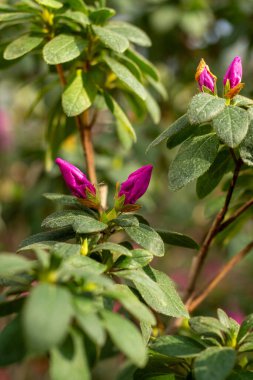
<point>126,77</point>
<point>231,125</point>
<point>147,238</point>
<point>21,46</point>
<point>126,337</point>
<point>111,39</point>
<point>194,158</point>
<point>46,316</point>
<point>131,32</point>
<point>63,48</point>
<point>214,363</point>
<point>204,107</point>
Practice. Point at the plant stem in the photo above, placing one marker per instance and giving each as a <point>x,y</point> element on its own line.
<point>198,262</point>
<point>237,213</point>
<point>200,296</point>
<point>84,127</point>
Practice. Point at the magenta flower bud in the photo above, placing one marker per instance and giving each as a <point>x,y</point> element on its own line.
<point>136,184</point>
<point>76,180</point>
<point>204,77</point>
<point>233,73</point>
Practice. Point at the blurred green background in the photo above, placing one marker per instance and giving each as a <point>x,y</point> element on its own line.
<point>182,32</point>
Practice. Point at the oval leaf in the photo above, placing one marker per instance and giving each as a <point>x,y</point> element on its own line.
<point>177,346</point>
<point>63,48</point>
<point>126,337</point>
<point>46,316</point>
<point>177,239</point>
<point>231,125</point>
<point>126,77</point>
<point>76,98</point>
<point>194,158</point>
<point>131,32</point>
<point>214,363</point>
<point>110,39</point>
<point>147,238</point>
<point>21,46</point>
<point>86,224</point>
<point>204,107</point>
<point>246,147</point>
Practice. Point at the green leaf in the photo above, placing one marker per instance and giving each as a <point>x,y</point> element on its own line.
<point>79,95</point>
<point>139,259</point>
<point>177,239</point>
<point>78,17</point>
<point>60,219</point>
<point>153,108</point>
<point>14,16</point>
<point>46,316</point>
<point>63,48</point>
<point>68,200</point>
<point>110,39</point>
<point>145,66</point>
<point>131,32</point>
<point>100,16</point>
<point>125,220</point>
<point>114,248</point>
<point>157,291</point>
<point>174,304</point>
<point>78,5</point>
<point>126,337</point>
<point>204,107</point>
<point>81,265</point>
<point>131,303</point>
<point>86,224</point>
<point>246,147</point>
<point>56,235</point>
<point>242,101</point>
<point>11,264</point>
<point>50,3</point>
<point>194,158</point>
<point>190,131</point>
<point>241,375</point>
<point>69,360</point>
<point>21,46</point>
<point>222,164</point>
<point>177,346</point>
<point>214,363</point>
<point>180,124</point>
<point>92,326</point>
<point>12,347</point>
<point>126,77</point>
<point>246,326</point>
<point>125,130</point>
<point>231,125</point>
<point>207,326</point>
<point>147,238</point>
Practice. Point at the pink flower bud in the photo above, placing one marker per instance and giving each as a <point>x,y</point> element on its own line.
<point>233,73</point>
<point>76,181</point>
<point>136,184</point>
<point>204,77</point>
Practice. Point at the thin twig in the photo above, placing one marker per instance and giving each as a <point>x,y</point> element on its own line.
<point>84,126</point>
<point>237,213</point>
<point>200,296</point>
<point>200,258</point>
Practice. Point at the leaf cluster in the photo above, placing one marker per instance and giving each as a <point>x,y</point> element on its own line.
<point>207,349</point>
<point>94,55</point>
<point>82,283</point>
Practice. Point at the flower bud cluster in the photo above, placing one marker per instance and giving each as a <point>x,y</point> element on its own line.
<point>231,81</point>
<point>128,192</point>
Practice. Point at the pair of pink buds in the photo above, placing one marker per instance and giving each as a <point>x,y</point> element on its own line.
<point>231,81</point>
<point>132,189</point>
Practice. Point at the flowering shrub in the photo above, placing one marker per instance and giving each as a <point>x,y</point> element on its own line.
<point>85,289</point>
